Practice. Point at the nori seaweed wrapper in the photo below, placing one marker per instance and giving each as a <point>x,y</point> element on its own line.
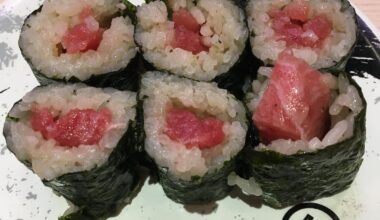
<point>208,188</point>
<point>101,192</point>
<point>290,179</point>
<point>199,190</point>
<point>341,64</point>
<point>234,78</point>
<point>123,79</point>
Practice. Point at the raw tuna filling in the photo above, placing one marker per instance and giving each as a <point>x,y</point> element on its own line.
<point>293,25</point>
<point>77,127</point>
<point>295,104</point>
<point>84,36</point>
<point>192,130</point>
<point>186,35</point>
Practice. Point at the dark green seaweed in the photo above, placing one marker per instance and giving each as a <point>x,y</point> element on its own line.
<point>77,215</point>
<point>241,3</point>
<point>288,180</point>
<point>199,190</point>
<point>102,191</point>
<point>208,188</point>
<point>341,64</point>
<point>234,80</point>
<point>130,11</point>
<point>144,158</point>
<point>126,78</point>
<point>231,80</point>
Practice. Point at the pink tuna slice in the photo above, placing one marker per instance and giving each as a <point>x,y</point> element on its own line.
<point>77,127</point>
<point>187,35</point>
<point>84,36</point>
<point>185,127</point>
<point>295,104</point>
<point>183,17</point>
<point>298,10</point>
<point>292,25</point>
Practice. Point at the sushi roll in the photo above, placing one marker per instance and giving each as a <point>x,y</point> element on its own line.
<point>199,39</point>
<point>81,41</point>
<point>194,132</point>
<point>323,33</point>
<point>79,141</point>
<point>309,132</point>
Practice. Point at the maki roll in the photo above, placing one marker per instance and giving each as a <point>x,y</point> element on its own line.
<point>196,39</point>
<point>194,132</point>
<point>80,41</point>
<point>309,132</point>
<point>79,141</point>
<point>323,33</point>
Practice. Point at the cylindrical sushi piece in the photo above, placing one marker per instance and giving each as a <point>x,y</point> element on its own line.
<point>79,141</point>
<point>199,39</point>
<point>323,33</point>
<point>80,41</point>
<point>194,132</point>
<point>308,136</point>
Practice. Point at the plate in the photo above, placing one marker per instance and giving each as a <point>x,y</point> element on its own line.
<point>24,197</point>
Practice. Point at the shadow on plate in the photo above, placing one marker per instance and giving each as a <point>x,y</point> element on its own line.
<point>203,209</point>
<point>251,200</point>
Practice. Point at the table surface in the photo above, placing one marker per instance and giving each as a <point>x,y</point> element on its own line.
<point>371,8</point>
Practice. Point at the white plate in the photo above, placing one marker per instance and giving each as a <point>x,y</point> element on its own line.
<point>23,196</point>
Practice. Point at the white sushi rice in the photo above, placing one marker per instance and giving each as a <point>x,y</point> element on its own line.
<point>182,162</point>
<point>48,159</point>
<point>43,32</point>
<point>346,104</point>
<point>336,46</point>
<point>222,28</point>
<point>248,187</point>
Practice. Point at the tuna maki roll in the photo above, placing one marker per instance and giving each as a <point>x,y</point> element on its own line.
<point>79,41</point>
<point>196,39</point>
<point>323,33</point>
<point>194,132</point>
<point>77,139</point>
<point>311,132</point>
